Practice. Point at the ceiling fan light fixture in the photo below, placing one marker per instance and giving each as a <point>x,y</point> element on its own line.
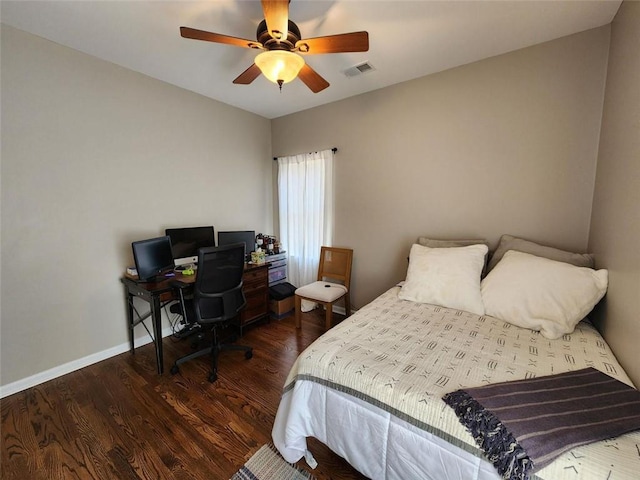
<point>279,66</point>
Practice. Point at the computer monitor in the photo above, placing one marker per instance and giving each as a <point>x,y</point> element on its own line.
<point>153,257</point>
<point>185,242</point>
<point>248,237</point>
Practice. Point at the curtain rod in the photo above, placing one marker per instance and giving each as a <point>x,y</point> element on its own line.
<point>334,150</point>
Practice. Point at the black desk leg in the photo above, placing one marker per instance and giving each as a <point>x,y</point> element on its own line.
<point>156,320</point>
<point>129,300</point>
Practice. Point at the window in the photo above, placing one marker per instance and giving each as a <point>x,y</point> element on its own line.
<point>305,194</point>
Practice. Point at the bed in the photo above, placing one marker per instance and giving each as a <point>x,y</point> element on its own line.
<point>371,388</point>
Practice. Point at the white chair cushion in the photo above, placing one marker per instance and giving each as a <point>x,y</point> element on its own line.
<point>320,292</point>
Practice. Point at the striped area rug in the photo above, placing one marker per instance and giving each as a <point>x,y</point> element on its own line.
<point>267,464</point>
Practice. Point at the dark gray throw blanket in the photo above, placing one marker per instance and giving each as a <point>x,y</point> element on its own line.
<point>523,425</point>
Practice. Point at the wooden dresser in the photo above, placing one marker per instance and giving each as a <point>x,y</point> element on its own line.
<point>256,290</point>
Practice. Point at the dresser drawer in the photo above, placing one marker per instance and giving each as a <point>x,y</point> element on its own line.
<point>255,285</point>
<point>278,263</point>
<point>255,276</point>
<point>252,289</point>
<point>255,282</point>
<point>277,274</point>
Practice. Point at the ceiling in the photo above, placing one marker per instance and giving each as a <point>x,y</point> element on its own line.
<point>407,39</point>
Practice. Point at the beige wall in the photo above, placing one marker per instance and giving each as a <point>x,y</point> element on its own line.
<point>615,224</point>
<point>504,145</point>
<point>95,156</point>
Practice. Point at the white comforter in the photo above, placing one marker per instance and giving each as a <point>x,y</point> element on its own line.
<point>371,389</point>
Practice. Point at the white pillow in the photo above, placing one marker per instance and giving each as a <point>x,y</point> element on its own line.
<point>449,277</point>
<point>541,294</point>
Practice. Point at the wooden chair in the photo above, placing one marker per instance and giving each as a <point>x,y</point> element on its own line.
<point>333,283</point>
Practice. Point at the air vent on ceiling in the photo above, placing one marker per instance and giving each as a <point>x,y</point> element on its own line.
<point>365,67</point>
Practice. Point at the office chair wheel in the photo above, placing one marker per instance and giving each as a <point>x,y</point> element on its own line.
<point>212,377</point>
<point>248,354</point>
<point>174,369</point>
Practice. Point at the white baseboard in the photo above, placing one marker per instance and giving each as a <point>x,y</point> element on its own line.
<point>38,378</point>
<point>339,310</point>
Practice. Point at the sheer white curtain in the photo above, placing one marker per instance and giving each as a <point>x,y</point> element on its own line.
<point>305,195</point>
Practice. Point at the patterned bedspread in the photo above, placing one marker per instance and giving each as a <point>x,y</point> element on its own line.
<point>403,357</point>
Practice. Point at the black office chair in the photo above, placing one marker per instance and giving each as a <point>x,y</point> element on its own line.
<point>217,300</point>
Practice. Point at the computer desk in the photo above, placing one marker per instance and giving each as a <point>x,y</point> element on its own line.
<point>158,294</point>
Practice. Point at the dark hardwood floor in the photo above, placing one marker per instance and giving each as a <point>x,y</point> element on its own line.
<point>119,419</point>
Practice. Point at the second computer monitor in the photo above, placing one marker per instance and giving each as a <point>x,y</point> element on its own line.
<point>186,241</point>
<point>248,237</point>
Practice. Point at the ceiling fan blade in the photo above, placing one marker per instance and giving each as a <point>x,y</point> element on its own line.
<point>195,34</point>
<point>276,13</point>
<point>312,79</point>
<point>345,42</point>
<point>248,76</point>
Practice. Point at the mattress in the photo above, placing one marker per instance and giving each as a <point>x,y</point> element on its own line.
<point>371,389</point>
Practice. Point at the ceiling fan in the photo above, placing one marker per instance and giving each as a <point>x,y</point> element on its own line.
<point>281,44</point>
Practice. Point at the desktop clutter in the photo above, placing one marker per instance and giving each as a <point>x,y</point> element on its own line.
<point>187,270</point>
<point>265,245</point>
<point>177,251</point>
